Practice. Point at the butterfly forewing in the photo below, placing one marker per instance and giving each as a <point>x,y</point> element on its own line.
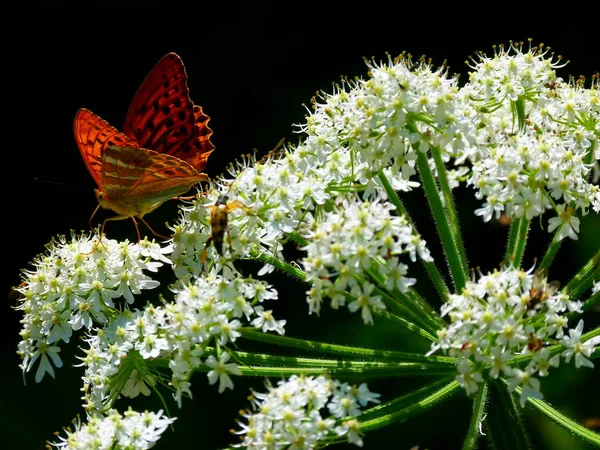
<point>162,116</point>
<point>143,176</point>
<point>92,135</point>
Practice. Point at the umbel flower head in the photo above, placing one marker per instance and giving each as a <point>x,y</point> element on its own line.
<point>74,286</point>
<point>207,312</point>
<point>506,314</point>
<point>131,430</point>
<point>533,139</point>
<point>303,412</point>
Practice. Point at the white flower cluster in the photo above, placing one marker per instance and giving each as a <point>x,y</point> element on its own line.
<point>532,139</point>
<point>523,138</point>
<point>351,136</point>
<point>380,123</point>
<point>505,314</point>
<point>303,412</point>
<point>205,313</point>
<point>132,430</point>
<point>353,240</point>
<point>74,286</point>
<point>374,126</point>
<point>209,311</point>
<point>261,204</point>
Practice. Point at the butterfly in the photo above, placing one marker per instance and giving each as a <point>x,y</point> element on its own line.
<point>159,155</point>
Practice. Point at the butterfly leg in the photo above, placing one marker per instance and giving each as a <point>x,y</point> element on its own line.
<point>150,228</point>
<point>116,218</point>
<point>93,214</point>
<point>100,232</point>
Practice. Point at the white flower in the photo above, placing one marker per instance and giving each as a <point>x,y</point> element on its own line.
<point>137,384</point>
<point>220,371</point>
<point>578,349</point>
<point>530,386</point>
<point>526,141</point>
<point>267,322</point>
<point>568,223</point>
<point>365,301</point>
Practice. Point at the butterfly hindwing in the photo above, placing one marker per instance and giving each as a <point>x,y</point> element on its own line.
<point>143,176</point>
<point>200,145</point>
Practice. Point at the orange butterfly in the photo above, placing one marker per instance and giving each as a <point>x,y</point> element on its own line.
<point>164,145</point>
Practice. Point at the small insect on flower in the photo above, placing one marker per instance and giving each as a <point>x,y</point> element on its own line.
<point>219,224</point>
<point>15,295</point>
<point>541,290</point>
<point>534,343</point>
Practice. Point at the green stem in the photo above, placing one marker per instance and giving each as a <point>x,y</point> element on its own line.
<point>411,303</point>
<point>560,419</point>
<point>399,321</point>
<point>450,206</point>
<point>292,270</point>
<point>585,278</point>
<point>343,350</point>
<point>517,240</point>
<point>550,254</point>
<point>505,427</point>
<point>298,239</point>
<point>449,240</point>
<point>477,418</point>
<point>393,196</point>
<point>426,309</point>
<point>518,110</point>
<point>430,267</point>
<point>402,408</point>
<point>589,305</point>
<point>399,309</point>
<point>264,365</point>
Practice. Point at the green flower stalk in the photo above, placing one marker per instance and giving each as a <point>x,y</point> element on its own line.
<point>522,139</point>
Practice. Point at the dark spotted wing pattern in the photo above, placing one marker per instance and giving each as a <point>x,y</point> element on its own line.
<point>163,118</point>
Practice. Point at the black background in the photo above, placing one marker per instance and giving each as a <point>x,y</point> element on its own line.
<point>252,67</point>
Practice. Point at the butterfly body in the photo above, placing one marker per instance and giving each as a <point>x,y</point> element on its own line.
<point>159,155</point>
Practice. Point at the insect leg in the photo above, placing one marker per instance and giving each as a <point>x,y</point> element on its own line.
<point>150,228</point>
<point>208,242</point>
